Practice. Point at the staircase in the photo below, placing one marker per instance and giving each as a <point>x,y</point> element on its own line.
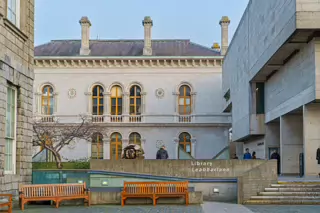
<point>282,193</point>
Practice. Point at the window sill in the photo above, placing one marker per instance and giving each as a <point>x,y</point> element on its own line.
<point>15,29</point>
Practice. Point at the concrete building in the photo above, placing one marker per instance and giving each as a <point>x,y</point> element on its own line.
<point>271,82</point>
<point>150,92</point>
<point>16,86</point>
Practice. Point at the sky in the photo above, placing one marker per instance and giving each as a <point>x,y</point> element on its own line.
<point>197,20</point>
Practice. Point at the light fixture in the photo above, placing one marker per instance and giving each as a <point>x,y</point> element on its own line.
<point>80,181</point>
<point>215,190</point>
<point>104,183</point>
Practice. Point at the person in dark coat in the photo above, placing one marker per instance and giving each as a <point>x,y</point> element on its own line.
<point>318,155</point>
<point>162,153</point>
<point>276,156</point>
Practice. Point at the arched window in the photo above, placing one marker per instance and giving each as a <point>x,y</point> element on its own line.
<point>48,154</point>
<point>135,100</point>
<point>185,142</point>
<point>97,100</point>
<point>116,100</point>
<point>135,138</point>
<point>47,100</point>
<point>184,100</point>
<point>97,146</point>
<point>116,146</point>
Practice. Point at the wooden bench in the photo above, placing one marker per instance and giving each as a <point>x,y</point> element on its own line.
<point>155,190</point>
<point>6,202</point>
<point>53,192</point>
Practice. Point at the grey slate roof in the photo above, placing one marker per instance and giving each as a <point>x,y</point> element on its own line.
<point>124,48</point>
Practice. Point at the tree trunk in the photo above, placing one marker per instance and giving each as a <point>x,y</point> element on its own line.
<point>57,157</point>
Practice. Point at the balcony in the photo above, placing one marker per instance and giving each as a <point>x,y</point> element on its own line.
<point>223,119</point>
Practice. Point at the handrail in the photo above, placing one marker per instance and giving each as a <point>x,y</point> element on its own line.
<point>221,152</point>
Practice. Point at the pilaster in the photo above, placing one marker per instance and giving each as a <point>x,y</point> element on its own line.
<point>106,147</point>
<point>89,105</point>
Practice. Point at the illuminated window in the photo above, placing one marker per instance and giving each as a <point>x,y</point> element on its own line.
<point>116,100</point>
<point>185,142</point>
<point>97,100</point>
<point>116,146</point>
<point>184,100</point>
<point>135,100</point>
<point>47,100</point>
<point>135,138</point>
<point>97,146</point>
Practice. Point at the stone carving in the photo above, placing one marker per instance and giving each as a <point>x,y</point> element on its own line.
<point>159,93</point>
<point>159,144</point>
<point>72,93</point>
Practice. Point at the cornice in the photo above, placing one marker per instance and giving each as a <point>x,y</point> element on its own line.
<point>127,63</point>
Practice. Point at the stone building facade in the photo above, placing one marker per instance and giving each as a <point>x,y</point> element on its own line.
<point>16,86</point>
<point>271,82</point>
<point>150,92</point>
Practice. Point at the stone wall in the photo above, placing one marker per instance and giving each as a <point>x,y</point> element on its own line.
<point>179,168</point>
<point>255,180</point>
<point>16,69</point>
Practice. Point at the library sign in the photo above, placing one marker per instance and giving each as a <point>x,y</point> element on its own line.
<point>197,166</point>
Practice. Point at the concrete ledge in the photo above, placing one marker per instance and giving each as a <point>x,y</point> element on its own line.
<point>103,198</point>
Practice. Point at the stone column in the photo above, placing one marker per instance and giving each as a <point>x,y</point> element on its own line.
<point>193,103</point>
<point>311,142</point>
<point>85,35</point>
<point>147,23</point>
<point>37,102</point>
<point>291,143</point>
<point>224,22</point>
<point>126,105</point>
<point>176,149</point>
<point>89,147</point>
<point>55,106</point>
<point>106,147</point>
<point>89,104</point>
<point>107,106</point>
<point>176,105</point>
<point>143,102</point>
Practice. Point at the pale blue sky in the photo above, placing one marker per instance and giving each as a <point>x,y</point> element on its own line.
<point>197,20</point>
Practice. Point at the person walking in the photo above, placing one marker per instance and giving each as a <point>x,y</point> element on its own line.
<point>275,156</point>
<point>162,153</point>
<point>247,155</point>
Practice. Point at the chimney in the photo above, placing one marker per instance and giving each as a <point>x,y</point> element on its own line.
<point>216,47</point>
<point>224,22</point>
<point>85,35</point>
<point>147,23</point>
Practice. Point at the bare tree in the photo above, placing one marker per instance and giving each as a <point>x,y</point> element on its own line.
<point>54,136</point>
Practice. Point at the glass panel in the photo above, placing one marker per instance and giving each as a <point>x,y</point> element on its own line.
<point>131,100</point>
<point>13,6</point>
<point>138,101</point>
<point>138,92</point>
<point>181,101</point>
<point>95,91</point>
<point>45,101</point>
<point>181,110</point>
<point>50,91</point>
<point>120,101</point>
<point>8,155</point>
<point>120,110</point>
<point>113,101</point>
<point>94,148</point>
<point>114,91</point>
<point>113,110</point>
<point>119,92</point>
<point>132,91</point>
<point>188,91</point>
<point>95,102</point>
<point>188,137</point>
<point>100,91</point>
<point>188,101</point>
<point>181,146</point>
<point>138,108</point>
<point>94,110</point>
<point>188,148</point>
<point>181,91</point>
<point>101,110</point>
<point>132,110</point>
<point>101,101</point>
<point>188,109</point>
<point>45,90</point>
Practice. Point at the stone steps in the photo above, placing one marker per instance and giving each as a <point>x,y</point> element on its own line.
<point>285,193</point>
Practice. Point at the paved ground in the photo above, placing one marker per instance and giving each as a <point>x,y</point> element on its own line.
<point>205,208</point>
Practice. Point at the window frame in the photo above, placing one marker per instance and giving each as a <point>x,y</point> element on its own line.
<point>185,142</point>
<point>14,139</point>
<point>135,97</point>
<point>49,104</point>
<point>98,97</point>
<point>99,144</point>
<point>135,138</point>
<point>117,143</point>
<point>17,12</point>
<point>185,97</point>
<point>117,97</point>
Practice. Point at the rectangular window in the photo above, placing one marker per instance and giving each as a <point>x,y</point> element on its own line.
<point>10,135</point>
<point>259,98</point>
<point>13,12</point>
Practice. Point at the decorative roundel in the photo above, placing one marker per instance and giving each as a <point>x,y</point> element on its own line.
<point>72,93</point>
<point>159,144</point>
<point>159,93</point>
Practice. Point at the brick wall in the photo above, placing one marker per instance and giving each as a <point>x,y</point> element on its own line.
<point>16,68</point>
<point>255,180</point>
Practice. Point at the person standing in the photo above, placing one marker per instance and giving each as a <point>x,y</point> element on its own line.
<point>162,153</point>
<point>276,156</point>
<point>254,155</point>
<point>247,155</point>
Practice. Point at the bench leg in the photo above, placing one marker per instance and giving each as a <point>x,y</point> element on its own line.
<point>57,203</point>
<point>122,201</point>
<point>10,208</point>
<point>154,200</point>
<point>22,205</point>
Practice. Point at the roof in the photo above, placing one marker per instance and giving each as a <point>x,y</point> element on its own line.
<point>124,48</point>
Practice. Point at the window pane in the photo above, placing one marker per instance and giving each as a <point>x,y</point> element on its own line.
<point>188,137</point>
<point>181,101</point>
<point>138,108</point>
<point>45,101</point>
<point>188,109</point>
<point>101,101</point>
<point>8,155</point>
<point>113,101</point>
<point>132,110</point>
<point>101,110</point>
<point>95,91</point>
<point>119,110</point>
<point>95,102</point>
<point>120,101</point>
<point>188,101</point>
<point>138,92</point>
<point>100,91</point>
<point>181,91</point>
<point>114,91</point>
<point>13,5</point>
<point>181,146</point>
<point>138,100</point>
<point>188,148</point>
<point>94,110</point>
<point>188,91</point>
<point>131,100</point>
<point>132,91</point>
<point>45,91</point>
<point>181,110</point>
